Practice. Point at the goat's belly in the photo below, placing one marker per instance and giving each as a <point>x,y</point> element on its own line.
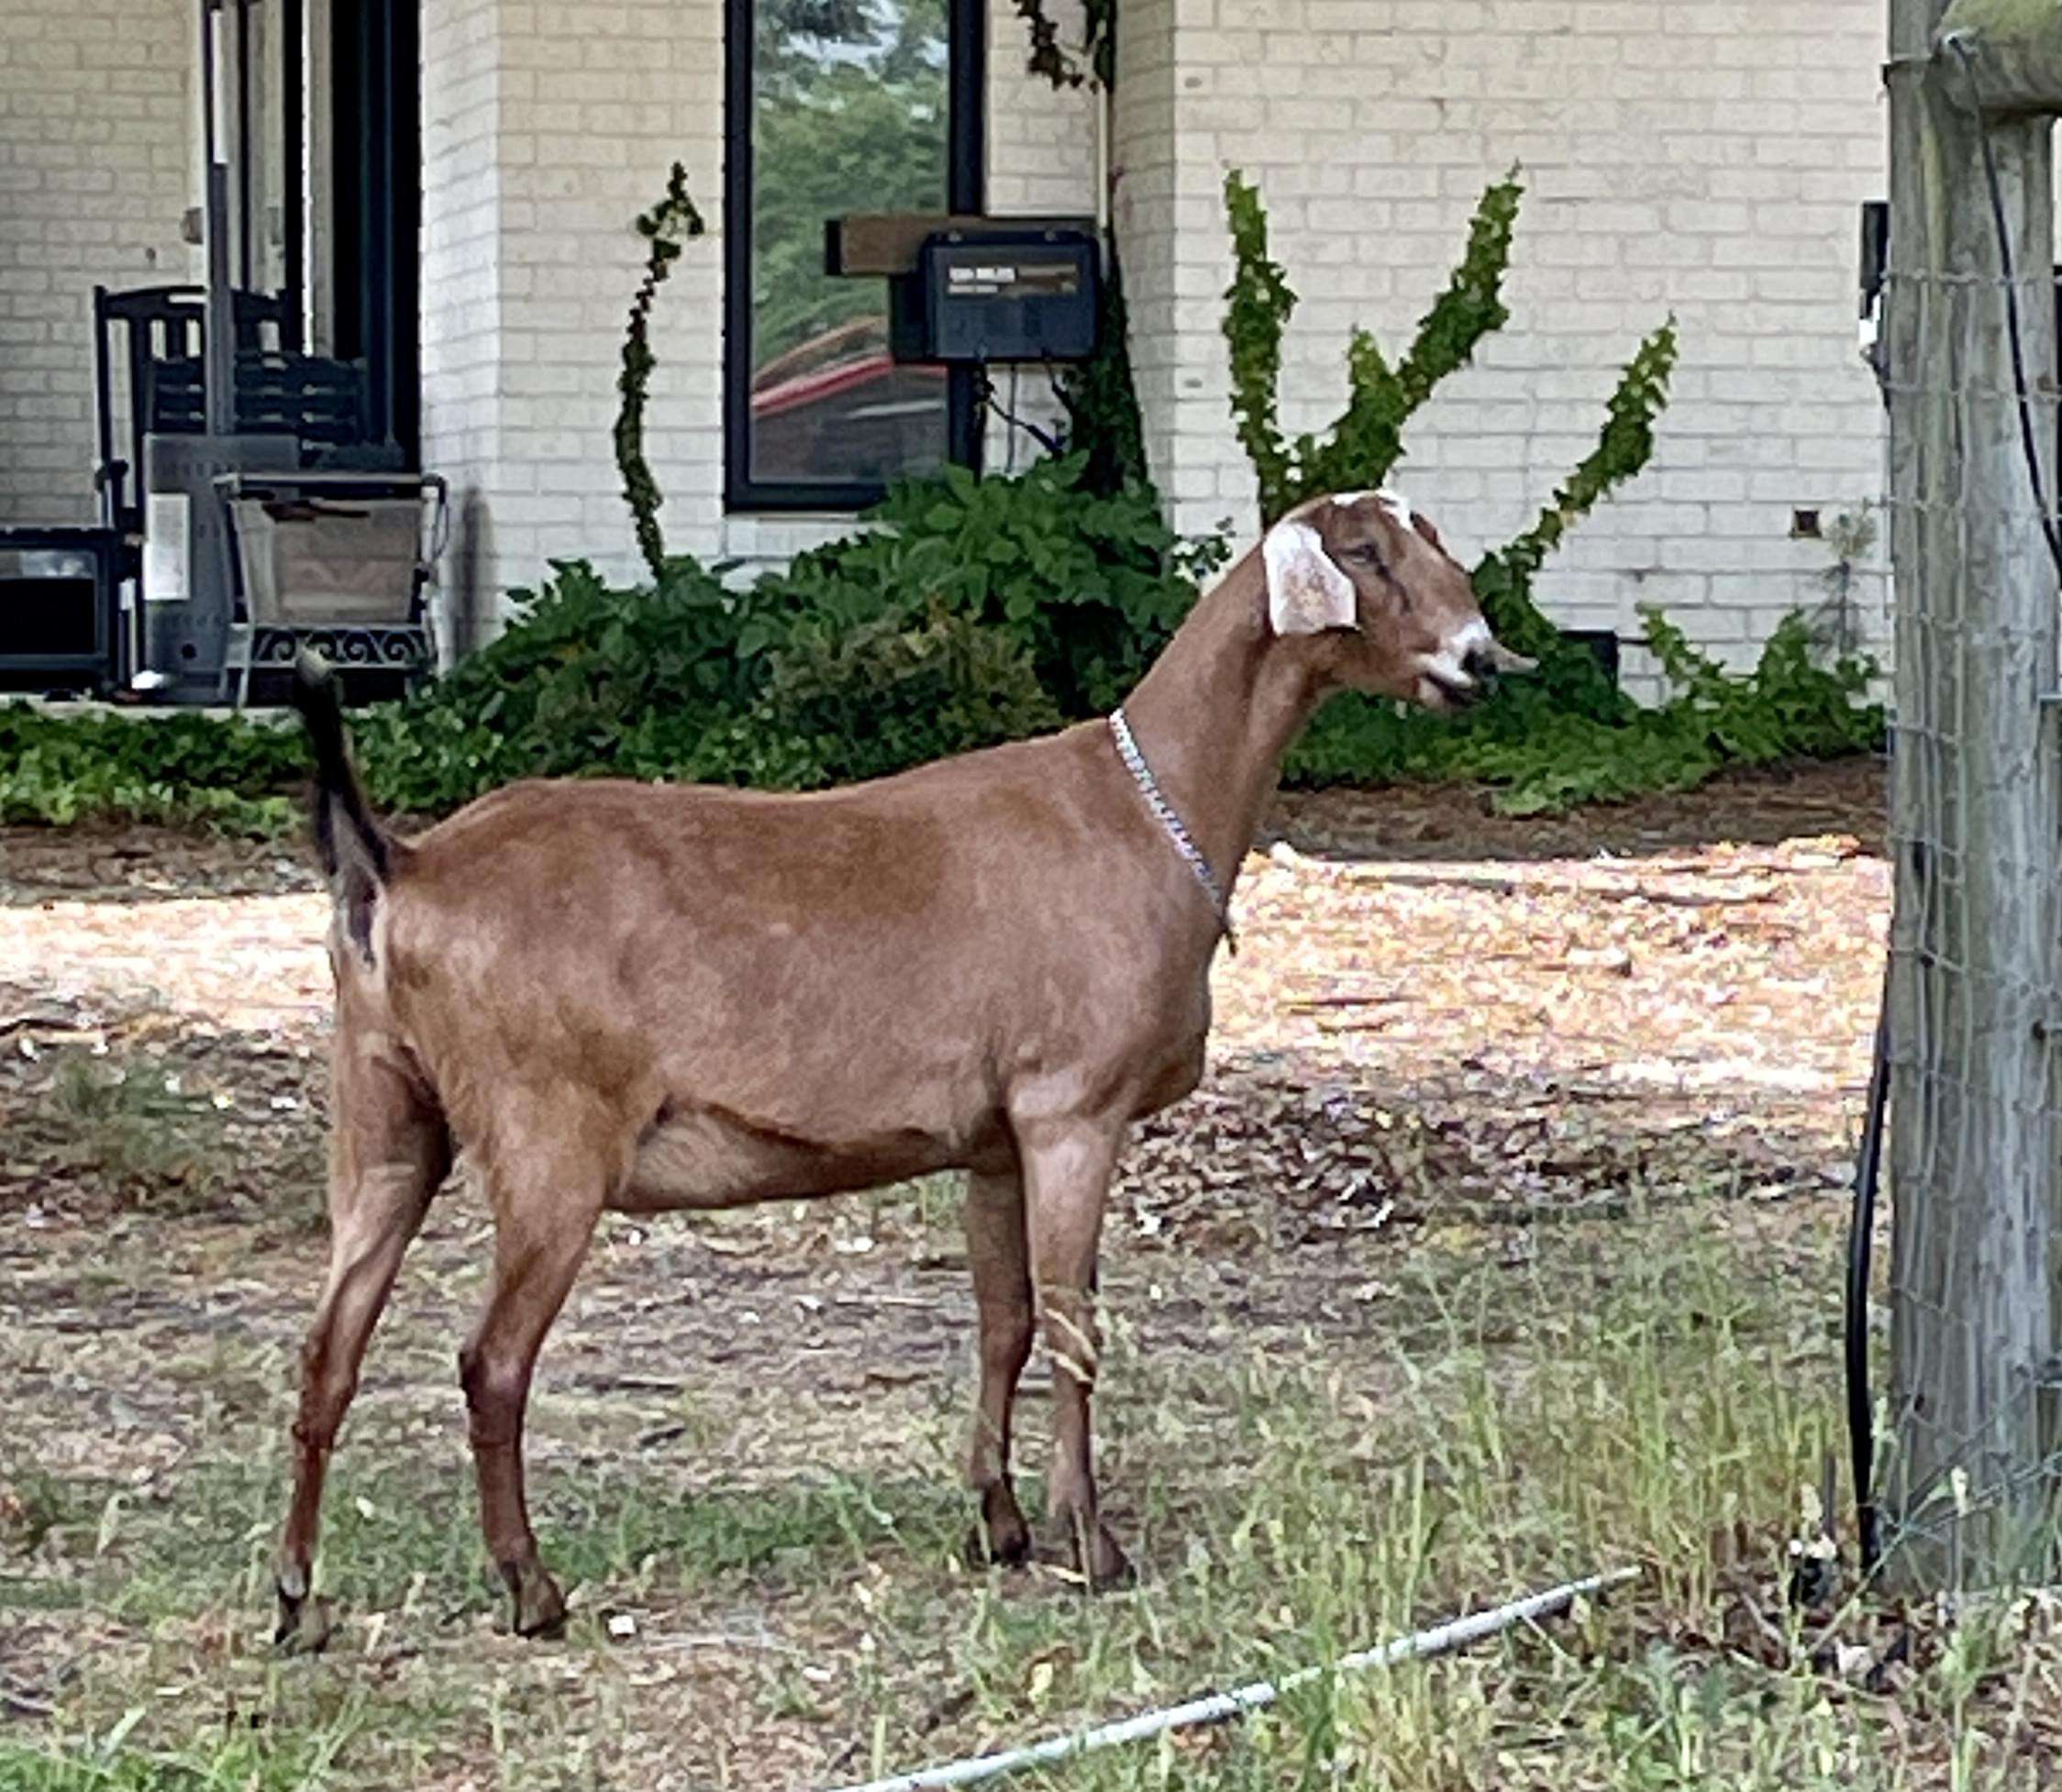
<point>710,1160</point>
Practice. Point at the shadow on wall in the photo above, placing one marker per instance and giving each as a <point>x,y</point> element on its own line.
<point>461,602</point>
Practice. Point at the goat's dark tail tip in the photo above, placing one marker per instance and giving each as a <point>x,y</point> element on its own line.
<point>322,714</point>
<point>347,834</point>
<point>314,687</point>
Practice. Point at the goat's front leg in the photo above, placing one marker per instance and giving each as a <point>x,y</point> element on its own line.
<point>545,1210</point>
<point>1067,1174</point>
<point>999,1252</point>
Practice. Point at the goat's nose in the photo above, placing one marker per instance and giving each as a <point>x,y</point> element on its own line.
<point>1482,665</point>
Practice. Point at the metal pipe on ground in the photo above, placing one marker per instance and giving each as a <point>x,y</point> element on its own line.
<point>1221,1707</point>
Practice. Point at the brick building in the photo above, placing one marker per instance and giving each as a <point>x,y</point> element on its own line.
<point>1706,156</point>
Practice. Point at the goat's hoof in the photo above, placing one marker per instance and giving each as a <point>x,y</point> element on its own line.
<point>304,1625</point>
<point>1107,1567</point>
<point>539,1608</point>
<point>1099,1559</point>
<point>1002,1536</point>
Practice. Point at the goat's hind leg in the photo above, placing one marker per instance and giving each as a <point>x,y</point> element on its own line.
<point>998,1251</point>
<point>547,1197</point>
<point>389,1150</point>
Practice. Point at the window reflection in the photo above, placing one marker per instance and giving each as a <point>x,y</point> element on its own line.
<point>850,113</point>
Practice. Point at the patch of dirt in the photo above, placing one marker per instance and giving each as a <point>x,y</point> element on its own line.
<point>1757,808</point>
<point>138,864</point>
<point>139,1109</point>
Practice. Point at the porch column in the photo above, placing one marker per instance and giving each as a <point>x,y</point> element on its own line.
<point>547,128</point>
<point>1181,81</point>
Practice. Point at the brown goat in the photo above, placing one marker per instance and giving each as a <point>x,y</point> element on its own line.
<point>638,997</point>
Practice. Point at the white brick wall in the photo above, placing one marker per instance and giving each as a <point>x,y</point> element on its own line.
<point>1041,143</point>
<point>547,129</point>
<point>1147,166</point>
<point>97,115</point>
<point>1680,154</point>
<point>462,371</point>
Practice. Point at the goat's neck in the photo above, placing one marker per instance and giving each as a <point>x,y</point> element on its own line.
<point>1218,711</point>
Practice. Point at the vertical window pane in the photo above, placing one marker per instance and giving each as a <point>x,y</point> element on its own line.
<point>261,155</point>
<point>850,113</point>
<point>269,51</point>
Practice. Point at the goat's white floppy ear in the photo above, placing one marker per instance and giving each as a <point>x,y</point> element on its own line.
<point>1307,591</point>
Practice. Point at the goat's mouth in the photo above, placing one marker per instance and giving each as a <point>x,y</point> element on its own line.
<point>1447,690</point>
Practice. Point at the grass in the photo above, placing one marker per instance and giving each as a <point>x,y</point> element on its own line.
<point>133,1130</point>
<point>244,1758</point>
<point>1622,1393</point>
<point>169,1137</point>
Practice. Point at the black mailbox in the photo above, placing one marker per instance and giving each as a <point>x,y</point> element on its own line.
<point>997,296</point>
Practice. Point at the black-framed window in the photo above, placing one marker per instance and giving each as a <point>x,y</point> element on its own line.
<point>375,213</point>
<point>834,106</point>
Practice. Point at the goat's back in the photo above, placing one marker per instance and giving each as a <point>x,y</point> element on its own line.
<point>885,961</point>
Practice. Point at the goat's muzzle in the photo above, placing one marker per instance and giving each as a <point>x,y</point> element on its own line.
<point>1489,660</point>
<point>1454,681</point>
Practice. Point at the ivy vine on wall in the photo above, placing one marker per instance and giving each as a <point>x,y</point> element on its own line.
<point>666,228</point>
<point>1095,58</point>
<point>1366,440</point>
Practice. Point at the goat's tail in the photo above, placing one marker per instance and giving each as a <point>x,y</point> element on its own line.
<point>357,854</point>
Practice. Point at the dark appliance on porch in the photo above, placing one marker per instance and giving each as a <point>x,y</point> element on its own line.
<point>250,457</point>
<point>61,619</point>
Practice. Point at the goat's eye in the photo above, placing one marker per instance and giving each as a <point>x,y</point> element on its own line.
<point>1370,556</point>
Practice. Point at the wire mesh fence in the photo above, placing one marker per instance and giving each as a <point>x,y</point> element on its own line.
<point>1972,1467</point>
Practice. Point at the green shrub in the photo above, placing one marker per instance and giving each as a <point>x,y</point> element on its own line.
<point>665,228</point>
<point>846,704</point>
<point>1563,734</point>
<point>971,610</point>
<point>1540,752</point>
<point>1092,587</point>
<point>1368,438</point>
<point>1366,442</point>
<point>232,773</point>
<point>871,657</point>
<point>589,678</point>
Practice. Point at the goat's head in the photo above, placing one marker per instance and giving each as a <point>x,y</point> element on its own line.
<point>1388,610</point>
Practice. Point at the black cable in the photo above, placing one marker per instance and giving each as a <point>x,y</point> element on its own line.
<point>1045,438</point>
<point>1861,1412</point>
<point>1958,43</point>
